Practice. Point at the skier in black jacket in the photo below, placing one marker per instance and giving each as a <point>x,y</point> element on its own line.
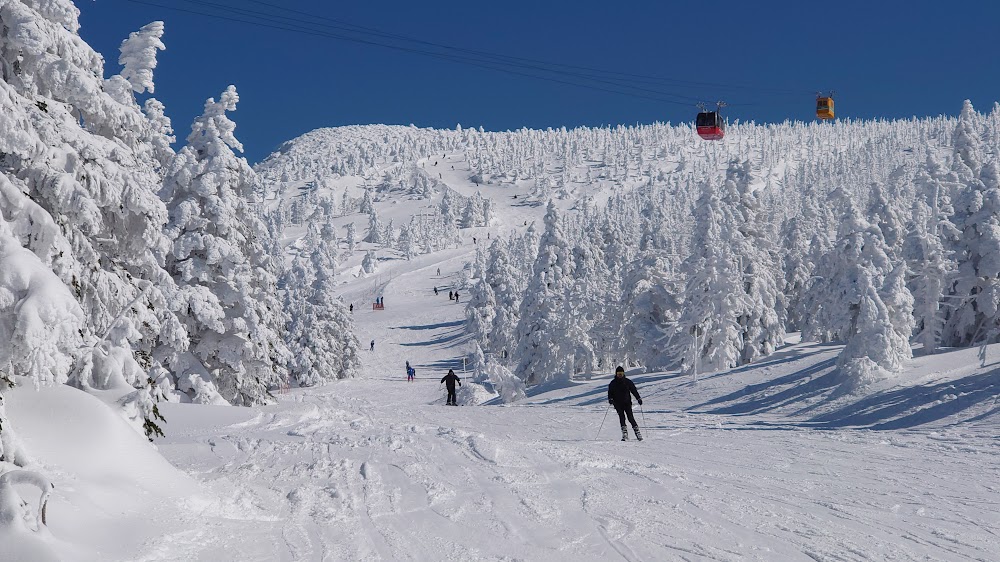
<point>450,379</point>
<point>619,396</point>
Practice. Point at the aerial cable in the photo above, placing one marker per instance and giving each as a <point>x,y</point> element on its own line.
<point>453,58</point>
<point>490,64</point>
<point>254,14</point>
<point>641,77</point>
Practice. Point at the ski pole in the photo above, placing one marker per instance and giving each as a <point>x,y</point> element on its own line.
<point>602,422</point>
<point>644,424</point>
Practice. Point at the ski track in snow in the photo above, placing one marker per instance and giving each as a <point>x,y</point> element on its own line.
<point>378,469</point>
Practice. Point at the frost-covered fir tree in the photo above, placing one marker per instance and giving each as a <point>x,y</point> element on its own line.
<point>651,289</point>
<point>876,346</point>
<point>138,56</point>
<point>40,321</point>
<point>351,237</point>
<point>480,312</point>
<point>369,264</point>
<point>968,160</point>
<point>324,342</point>
<point>855,284</point>
<point>933,271</point>
<point>797,267</point>
<point>221,255</point>
<point>976,292</point>
<point>763,321</point>
<point>708,335</point>
<point>367,206</point>
<point>78,146</point>
<point>475,212</point>
<point>376,230</point>
<point>542,351</point>
<point>507,285</point>
<point>406,244</point>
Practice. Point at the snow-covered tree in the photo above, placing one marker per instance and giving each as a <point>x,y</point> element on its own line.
<point>221,255</point>
<point>367,206</point>
<point>369,264</point>
<point>321,335</point>
<point>542,351</point>
<point>858,295</point>
<point>376,230</point>
<point>762,322</point>
<point>651,290</point>
<point>138,56</point>
<point>933,271</point>
<point>708,335</point>
<point>79,148</point>
<point>351,237</point>
<point>968,144</point>
<point>976,290</point>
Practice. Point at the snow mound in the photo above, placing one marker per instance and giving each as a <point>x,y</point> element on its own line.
<point>111,485</point>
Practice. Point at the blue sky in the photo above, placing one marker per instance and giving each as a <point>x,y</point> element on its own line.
<point>885,59</point>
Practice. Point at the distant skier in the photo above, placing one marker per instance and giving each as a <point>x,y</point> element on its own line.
<point>619,396</point>
<point>410,372</point>
<point>435,291</point>
<point>373,346</point>
<point>451,295</point>
<point>439,272</point>
<point>456,296</point>
<point>449,381</point>
<point>352,308</point>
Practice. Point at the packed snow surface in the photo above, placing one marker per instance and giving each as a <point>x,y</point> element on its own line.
<point>754,464</point>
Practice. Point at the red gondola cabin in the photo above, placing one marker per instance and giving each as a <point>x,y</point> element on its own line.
<point>710,125</point>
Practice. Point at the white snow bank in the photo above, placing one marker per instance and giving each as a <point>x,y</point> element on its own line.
<point>111,485</point>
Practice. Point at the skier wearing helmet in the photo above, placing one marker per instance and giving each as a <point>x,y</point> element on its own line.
<point>619,396</point>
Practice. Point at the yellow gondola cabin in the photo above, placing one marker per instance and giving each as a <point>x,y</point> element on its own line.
<point>824,107</point>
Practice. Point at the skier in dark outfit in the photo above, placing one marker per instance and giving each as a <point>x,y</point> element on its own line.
<point>619,396</point>
<point>450,379</point>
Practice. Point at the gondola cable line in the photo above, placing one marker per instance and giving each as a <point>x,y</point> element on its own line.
<point>709,124</point>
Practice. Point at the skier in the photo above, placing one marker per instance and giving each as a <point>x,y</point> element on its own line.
<point>619,396</point>
<point>450,379</point>
<point>352,308</point>
<point>410,372</point>
<point>451,295</point>
<point>456,296</point>
<point>439,272</point>
<point>373,346</point>
<point>435,291</point>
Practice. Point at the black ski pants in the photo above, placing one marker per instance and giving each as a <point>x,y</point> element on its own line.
<point>623,411</point>
<point>451,395</point>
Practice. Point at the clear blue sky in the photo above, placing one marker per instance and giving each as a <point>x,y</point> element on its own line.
<point>885,58</point>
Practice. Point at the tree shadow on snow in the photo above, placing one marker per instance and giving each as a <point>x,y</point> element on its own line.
<point>594,394</point>
<point>913,406</point>
<point>453,336</point>
<point>820,384</point>
<point>432,326</point>
<point>443,365</point>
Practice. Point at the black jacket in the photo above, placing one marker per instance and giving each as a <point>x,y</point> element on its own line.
<point>450,381</point>
<point>619,390</point>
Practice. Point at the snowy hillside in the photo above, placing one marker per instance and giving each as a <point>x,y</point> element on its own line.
<point>810,314</point>
<point>761,463</point>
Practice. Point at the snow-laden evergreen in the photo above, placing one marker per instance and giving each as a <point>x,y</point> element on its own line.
<point>80,177</point>
<point>543,351</point>
<point>220,255</point>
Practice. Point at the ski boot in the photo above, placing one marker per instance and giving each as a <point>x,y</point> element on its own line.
<point>624,433</point>
<point>638,435</point>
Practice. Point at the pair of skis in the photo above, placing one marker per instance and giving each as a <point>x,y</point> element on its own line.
<point>638,435</point>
